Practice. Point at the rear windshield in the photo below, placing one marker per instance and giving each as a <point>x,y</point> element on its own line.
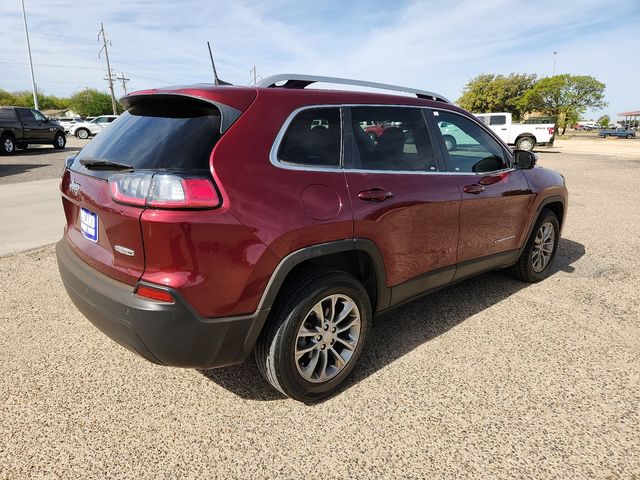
<point>168,134</point>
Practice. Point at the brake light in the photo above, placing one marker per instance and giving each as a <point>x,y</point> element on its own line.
<point>551,130</point>
<point>171,191</point>
<point>163,190</point>
<point>154,294</point>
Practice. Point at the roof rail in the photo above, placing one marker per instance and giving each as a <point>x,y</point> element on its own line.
<point>295,80</point>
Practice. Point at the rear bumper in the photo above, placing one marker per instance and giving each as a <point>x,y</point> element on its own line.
<point>166,334</point>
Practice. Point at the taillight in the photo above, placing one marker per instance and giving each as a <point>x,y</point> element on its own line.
<point>551,130</point>
<point>130,188</point>
<point>154,294</point>
<point>163,190</point>
<point>171,191</point>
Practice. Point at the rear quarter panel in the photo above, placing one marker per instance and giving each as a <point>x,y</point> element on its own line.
<point>267,198</point>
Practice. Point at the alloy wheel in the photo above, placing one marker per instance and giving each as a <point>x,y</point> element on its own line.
<point>327,338</point>
<point>543,246</point>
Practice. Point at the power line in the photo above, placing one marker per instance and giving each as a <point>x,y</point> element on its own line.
<point>110,75</point>
<point>83,67</point>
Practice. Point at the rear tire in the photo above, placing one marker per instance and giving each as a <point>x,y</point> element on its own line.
<point>331,344</point>
<point>525,143</point>
<point>629,136</point>
<point>59,141</point>
<point>540,249</point>
<point>7,145</point>
<point>82,133</point>
<point>606,135</point>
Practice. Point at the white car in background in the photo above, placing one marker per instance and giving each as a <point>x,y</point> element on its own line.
<point>67,122</point>
<point>87,128</point>
<point>525,136</point>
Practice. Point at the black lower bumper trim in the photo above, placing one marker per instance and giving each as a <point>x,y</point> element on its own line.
<point>166,334</point>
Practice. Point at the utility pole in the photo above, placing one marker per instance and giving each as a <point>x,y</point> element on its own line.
<point>124,81</point>
<point>554,63</point>
<point>110,75</point>
<point>254,76</point>
<point>33,78</point>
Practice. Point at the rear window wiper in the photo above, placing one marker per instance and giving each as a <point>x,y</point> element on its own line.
<point>104,164</point>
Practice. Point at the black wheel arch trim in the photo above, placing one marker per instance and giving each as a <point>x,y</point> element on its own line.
<point>544,203</point>
<point>288,263</point>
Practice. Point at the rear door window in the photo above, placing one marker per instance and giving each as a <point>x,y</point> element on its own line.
<point>168,134</point>
<point>313,139</point>
<point>391,138</point>
<point>25,115</point>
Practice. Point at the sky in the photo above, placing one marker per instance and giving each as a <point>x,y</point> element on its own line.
<point>430,45</point>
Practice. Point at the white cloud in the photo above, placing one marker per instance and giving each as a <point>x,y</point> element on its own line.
<point>430,45</point>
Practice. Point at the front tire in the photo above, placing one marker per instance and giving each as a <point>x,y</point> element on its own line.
<point>315,334</point>
<point>7,145</point>
<point>540,249</point>
<point>82,133</point>
<point>525,143</point>
<point>59,141</point>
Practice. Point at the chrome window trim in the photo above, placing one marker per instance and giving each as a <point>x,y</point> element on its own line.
<point>273,154</point>
<point>276,162</point>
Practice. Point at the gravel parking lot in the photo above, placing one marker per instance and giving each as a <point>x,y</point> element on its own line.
<point>490,378</point>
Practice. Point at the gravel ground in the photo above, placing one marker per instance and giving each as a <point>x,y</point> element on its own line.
<point>490,378</point>
<point>38,162</point>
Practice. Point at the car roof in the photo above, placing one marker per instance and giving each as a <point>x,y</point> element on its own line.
<point>241,97</point>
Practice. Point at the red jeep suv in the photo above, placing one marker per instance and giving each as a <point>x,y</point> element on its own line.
<point>210,222</point>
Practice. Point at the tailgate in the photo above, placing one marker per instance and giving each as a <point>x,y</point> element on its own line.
<point>105,234</point>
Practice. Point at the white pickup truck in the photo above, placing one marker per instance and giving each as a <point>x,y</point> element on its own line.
<point>525,136</point>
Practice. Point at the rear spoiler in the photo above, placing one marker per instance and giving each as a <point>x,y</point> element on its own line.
<point>228,114</point>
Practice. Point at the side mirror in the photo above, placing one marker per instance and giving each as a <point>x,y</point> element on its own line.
<point>525,160</point>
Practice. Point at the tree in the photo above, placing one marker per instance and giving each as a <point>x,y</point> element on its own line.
<point>565,96</point>
<point>488,93</point>
<point>566,120</point>
<point>25,99</point>
<point>604,120</point>
<point>92,103</point>
<point>6,98</point>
